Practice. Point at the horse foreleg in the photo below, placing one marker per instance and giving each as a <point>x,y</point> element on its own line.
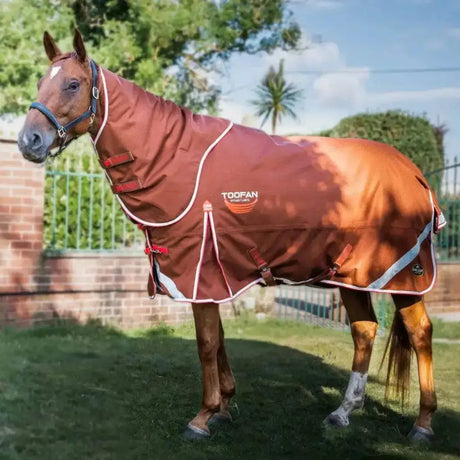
<point>419,330</point>
<point>226,380</point>
<point>363,329</point>
<point>207,335</point>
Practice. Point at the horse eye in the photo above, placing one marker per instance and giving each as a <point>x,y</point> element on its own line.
<point>73,86</point>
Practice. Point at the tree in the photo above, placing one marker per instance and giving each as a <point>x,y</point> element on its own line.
<point>412,135</point>
<point>165,46</point>
<point>276,97</point>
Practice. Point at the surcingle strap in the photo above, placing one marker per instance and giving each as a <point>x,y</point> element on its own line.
<point>263,267</point>
<point>330,272</point>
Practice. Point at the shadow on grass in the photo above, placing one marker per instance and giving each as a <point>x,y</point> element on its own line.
<point>72,391</point>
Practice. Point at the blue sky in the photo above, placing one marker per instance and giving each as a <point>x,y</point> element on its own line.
<point>361,35</point>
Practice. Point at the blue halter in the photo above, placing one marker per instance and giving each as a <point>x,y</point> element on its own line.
<point>62,130</point>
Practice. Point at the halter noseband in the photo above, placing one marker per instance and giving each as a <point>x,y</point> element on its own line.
<point>62,130</point>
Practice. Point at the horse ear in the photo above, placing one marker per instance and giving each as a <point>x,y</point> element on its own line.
<point>51,48</point>
<point>79,46</point>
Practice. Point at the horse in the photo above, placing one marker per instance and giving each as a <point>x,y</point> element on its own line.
<point>225,207</point>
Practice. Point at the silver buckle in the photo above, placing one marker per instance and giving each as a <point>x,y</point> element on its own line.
<point>62,132</point>
<point>95,93</point>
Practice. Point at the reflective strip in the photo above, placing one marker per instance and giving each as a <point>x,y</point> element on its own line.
<point>168,283</point>
<point>441,221</point>
<point>403,262</point>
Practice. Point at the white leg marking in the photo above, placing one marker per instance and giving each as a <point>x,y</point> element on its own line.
<point>354,399</point>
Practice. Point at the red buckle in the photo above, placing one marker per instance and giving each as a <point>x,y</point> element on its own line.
<point>141,227</point>
<point>160,250</point>
<point>263,267</point>
<point>157,250</point>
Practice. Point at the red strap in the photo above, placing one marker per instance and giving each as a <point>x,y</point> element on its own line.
<point>330,272</point>
<point>157,250</point>
<point>117,160</point>
<point>342,257</point>
<point>263,267</point>
<point>124,187</point>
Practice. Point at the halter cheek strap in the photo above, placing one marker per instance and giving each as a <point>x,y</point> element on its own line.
<point>62,130</point>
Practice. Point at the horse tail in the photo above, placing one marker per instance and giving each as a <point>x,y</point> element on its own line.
<point>399,359</point>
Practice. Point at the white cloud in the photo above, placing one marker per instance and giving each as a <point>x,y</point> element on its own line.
<point>341,89</point>
<point>429,95</point>
<point>322,56</point>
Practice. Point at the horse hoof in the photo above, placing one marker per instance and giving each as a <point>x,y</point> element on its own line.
<point>195,433</point>
<point>220,418</point>
<point>420,435</point>
<point>335,421</point>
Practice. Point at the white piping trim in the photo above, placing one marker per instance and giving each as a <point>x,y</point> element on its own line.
<point>200,261</point>
<point>403,261</point>
<point>194,194</point>
<point>216,249</point>
<point>106,111</point>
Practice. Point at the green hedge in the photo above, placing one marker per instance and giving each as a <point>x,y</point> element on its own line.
<point>412,135</point>
<point>80,210</point>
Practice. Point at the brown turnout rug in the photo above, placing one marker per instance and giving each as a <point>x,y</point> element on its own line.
<point>225,207</point>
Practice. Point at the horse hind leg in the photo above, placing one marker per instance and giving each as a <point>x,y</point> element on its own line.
<point>411,311</point>
<point>363,329</point>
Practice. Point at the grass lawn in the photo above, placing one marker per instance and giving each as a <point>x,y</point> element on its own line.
<point>88,392</point>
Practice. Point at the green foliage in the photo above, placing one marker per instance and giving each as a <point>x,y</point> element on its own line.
<point>22,58</point>
<point>80,210</point>
<point>276,97</point>
<point>412,135</point>
<point>167,47</point>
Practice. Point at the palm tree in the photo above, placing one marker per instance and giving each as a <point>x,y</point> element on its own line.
<point>276,97</point>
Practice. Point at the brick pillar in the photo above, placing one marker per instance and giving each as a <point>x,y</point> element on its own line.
<point>21,228</point>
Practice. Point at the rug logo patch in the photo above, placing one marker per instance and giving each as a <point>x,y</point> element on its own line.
<point>240,202</point>
<point>417,270</point>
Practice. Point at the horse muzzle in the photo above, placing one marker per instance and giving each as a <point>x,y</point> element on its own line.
<point>35,144</point>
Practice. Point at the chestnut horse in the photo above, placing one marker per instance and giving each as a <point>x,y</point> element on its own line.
<point>69,106</point>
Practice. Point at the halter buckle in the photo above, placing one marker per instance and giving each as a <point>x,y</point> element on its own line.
<point>62,133</point>
<point>91,119</point>
<point>95,92</point>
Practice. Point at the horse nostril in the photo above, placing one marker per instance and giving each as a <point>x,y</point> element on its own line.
<point>37,141</point>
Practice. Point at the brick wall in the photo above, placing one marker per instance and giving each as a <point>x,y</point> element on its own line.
<point>36,287</point>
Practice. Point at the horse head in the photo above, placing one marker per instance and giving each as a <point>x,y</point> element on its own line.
<point>66,102</point>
